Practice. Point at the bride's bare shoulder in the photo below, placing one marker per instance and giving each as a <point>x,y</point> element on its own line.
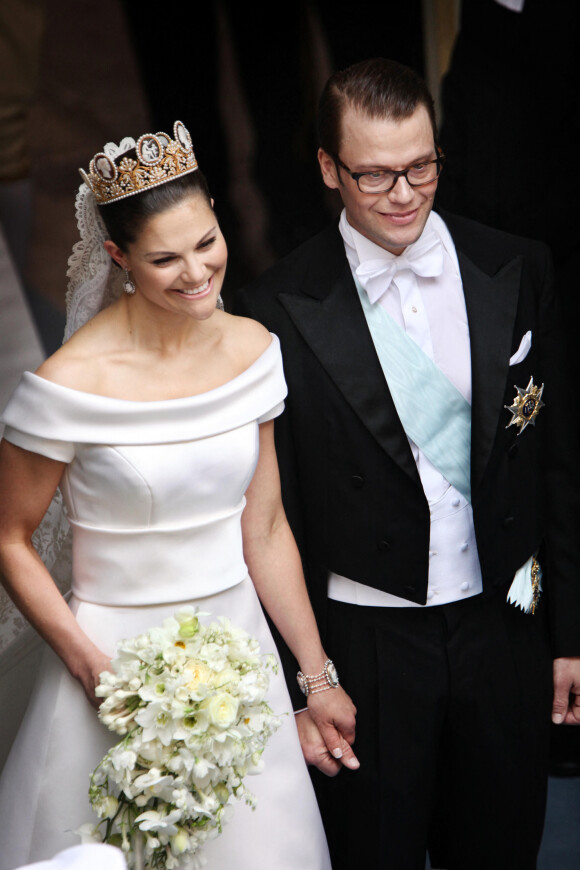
<point>249,338</point>
<point>76,363</point>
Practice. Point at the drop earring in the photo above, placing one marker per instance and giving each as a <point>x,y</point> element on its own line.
<point>128,285</point>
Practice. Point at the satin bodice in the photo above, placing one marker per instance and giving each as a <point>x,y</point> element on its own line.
<point>154,491</point>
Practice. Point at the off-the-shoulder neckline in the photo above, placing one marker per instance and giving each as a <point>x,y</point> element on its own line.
<point>274,344</point>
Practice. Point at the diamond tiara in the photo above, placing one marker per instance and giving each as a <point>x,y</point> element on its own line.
<point>159,159</point>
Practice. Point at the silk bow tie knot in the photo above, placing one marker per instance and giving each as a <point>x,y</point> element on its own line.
<point>424,260</point>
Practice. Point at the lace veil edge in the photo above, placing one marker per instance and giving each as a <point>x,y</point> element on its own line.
<point>93,283</point>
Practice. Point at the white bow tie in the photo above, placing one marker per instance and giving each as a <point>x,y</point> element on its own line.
<point>424,258</point>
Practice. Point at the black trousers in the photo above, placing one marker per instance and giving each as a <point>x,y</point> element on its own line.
<point>452,735</point>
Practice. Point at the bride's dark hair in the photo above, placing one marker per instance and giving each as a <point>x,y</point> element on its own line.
<point>125,218</point>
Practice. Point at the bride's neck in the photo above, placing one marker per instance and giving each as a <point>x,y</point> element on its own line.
<point>151,327</point>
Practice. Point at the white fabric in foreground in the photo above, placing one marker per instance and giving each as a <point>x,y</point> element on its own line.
<point>91,856</point>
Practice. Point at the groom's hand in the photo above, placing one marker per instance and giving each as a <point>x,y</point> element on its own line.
<point>313,746</point>
<point>566,705</point>
<point>334,714</point>
<point>327,734</point>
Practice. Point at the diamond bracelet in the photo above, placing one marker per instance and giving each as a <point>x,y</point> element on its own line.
<point>310,684</point>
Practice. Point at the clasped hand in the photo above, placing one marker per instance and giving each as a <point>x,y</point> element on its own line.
<point>566,705</point>
<point>327,730</point>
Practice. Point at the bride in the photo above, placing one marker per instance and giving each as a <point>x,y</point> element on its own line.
<point>155,419</point>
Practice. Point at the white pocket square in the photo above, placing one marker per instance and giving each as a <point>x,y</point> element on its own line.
<point>523,350</point>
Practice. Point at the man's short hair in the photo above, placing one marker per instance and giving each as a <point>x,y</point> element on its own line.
<point>379,88</point>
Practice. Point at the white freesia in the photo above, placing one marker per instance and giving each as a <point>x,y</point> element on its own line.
<point>156,821</point>
<point>155,783</point>
<point>180,842</point>
<point>124,760</point>
<point>188,700</point>
<point>108,806</point>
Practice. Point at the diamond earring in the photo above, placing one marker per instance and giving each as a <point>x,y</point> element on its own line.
<point>128,285</point>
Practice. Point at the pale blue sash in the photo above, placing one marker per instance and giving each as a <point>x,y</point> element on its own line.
<point>433,412</point>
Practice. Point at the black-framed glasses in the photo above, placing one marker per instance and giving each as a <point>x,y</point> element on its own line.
<point>383,180</point>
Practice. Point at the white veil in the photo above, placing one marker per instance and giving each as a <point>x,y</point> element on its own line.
<point>93,284</point>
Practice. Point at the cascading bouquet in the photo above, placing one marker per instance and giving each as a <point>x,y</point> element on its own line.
<point>189,702</point>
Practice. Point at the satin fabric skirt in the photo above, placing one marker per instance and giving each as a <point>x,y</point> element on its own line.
<point>44,785</point>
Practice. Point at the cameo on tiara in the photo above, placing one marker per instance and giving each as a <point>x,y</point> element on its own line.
<point>181,133</point>
<point>149,149</point>
<point>104,167</point>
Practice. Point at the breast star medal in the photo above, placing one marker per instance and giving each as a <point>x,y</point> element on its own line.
<point>526,406</point>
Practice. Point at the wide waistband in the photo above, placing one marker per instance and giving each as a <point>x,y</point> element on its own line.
<point>149,566</point>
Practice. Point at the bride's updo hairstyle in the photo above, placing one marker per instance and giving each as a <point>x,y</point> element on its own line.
<point>125,218</point>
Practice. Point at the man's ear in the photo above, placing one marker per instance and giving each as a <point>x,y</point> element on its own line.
<point>116,253</point>
<point>328,169</point>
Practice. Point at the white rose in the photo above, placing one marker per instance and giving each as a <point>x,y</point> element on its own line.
<point>222,709</point>
<point>196,673</point>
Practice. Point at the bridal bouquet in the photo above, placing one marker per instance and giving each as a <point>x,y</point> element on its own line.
<point>189,702</point>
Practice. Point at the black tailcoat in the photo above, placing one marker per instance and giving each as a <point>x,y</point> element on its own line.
<point>453,701</point>
<point>350,484</point>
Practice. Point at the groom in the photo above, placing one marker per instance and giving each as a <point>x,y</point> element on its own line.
<point>428,465</point>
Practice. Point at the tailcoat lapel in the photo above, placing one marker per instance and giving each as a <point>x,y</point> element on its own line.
<point>491,303</point>
<point>329,316</point>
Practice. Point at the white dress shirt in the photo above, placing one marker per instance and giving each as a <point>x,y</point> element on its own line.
<point>432,312</point>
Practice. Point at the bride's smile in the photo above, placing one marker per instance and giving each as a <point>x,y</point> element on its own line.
<point>178,260</point>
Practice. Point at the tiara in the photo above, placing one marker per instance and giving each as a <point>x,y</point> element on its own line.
<point>158,159</point>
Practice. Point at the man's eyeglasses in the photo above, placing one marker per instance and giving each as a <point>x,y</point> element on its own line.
<point>383,180</point>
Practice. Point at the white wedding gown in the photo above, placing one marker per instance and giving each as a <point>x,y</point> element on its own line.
<point>154,493</point>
